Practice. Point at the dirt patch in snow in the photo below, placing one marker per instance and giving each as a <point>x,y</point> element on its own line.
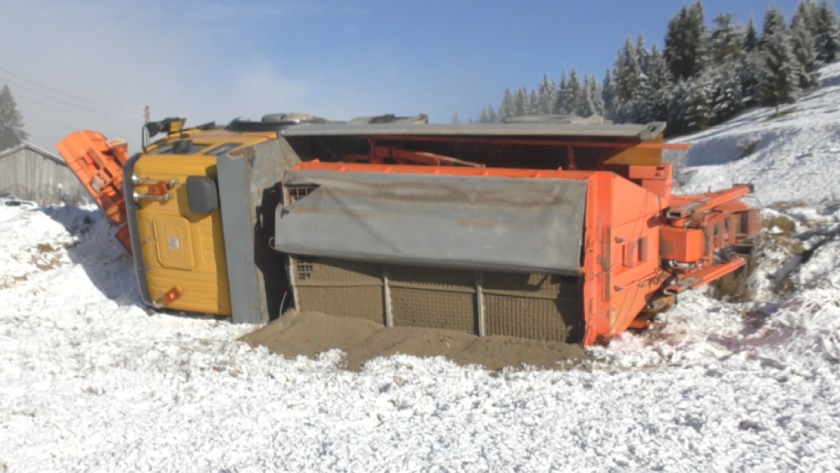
<point>778,248</point>
<point>311,333</point>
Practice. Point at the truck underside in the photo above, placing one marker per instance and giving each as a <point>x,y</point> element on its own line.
<point>545,229</point>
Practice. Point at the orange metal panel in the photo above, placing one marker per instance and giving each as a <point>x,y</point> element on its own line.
<point>644,156</point>
<point>705,275</point>
<point>702,203</point>
<point>685,245</point>
<point>597,257</point>
<point>98,163</point>
<point>635,234</point>
<point>661,172</point>
<point>649,155</point>
<point>752,222</point>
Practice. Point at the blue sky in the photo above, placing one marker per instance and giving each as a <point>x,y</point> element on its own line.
<point>217,60</point>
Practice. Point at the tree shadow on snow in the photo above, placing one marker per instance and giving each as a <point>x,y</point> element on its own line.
<point>829,81</point>
<point>106,263</point>
<point>744,117</point>
<point>728,149</point>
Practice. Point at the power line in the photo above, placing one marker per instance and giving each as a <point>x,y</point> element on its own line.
<point>71,111</point>
<point>102,104</point>
<point>74,112</point>
<point>71,104</point>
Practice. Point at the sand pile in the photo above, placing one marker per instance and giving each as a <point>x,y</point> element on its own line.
<point>311,333</point>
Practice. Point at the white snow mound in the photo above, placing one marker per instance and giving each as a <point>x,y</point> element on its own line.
<point>792,157</point>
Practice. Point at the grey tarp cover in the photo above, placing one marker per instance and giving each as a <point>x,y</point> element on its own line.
<point>528,225</point>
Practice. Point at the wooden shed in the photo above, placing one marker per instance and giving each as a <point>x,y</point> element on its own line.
<point>31,173</point>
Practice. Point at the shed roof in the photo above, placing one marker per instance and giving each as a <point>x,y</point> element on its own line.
<point>30,146</point>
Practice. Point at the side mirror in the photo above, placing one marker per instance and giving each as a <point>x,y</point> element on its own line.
<point>202,195</point>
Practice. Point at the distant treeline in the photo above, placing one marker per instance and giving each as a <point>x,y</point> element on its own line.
<point>701,77</point>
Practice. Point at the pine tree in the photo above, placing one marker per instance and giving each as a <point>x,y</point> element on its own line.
<point>455,119</point>
<point>594,97</point>
<point>726,94</point>
<point>490,113</point>
<point>690,108</point>
<point>598,96</point>
<point>507,108</point>
<point>806,65</point>
<point>533,103</point>
<point>520,102</point>
<point>750,43</point>
<point>11,121</point>
<point>628,73</point>
<point>573,96</point>
<point>726,41</point>
<point>774,20</point>
<point>630,85</point>
<point>642,53</point>
<point>677,107</point>
<point>547,96</point>
<point>686,42</point>
<point>587,107</point>
<point>608,95</point>
<point>700,37</point>
<point>676,47</point>
<point>560,106</point>
<point>658,87</point>
<point>751,67</point>
<point>827,34</point>
<point>777,84</point>
<point>750,72</point>
<point>805,15</point>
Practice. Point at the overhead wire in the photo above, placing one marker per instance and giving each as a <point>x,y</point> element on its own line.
<point>81,107</point>
<point>74,112</point>
<point>60,92</point>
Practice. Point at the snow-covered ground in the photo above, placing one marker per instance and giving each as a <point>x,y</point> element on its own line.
<point>795,156</point>
<point>91,380</point>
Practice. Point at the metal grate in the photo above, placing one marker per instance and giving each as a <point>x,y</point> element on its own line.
<point>534,306</point>
<point>299,192</point>
<point>340,273</point>
<point>419,307</point>
<point>304,269</point>
<point>528,317</point>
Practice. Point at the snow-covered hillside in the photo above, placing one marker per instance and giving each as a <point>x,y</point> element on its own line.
<point>91,380</point>
<point>795,156</point>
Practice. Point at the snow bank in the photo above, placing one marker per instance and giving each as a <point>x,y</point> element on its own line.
<point>792,157</point>
<point>90,380</point>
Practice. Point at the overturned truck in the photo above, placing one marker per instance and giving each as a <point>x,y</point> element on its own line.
<point>550,228</point>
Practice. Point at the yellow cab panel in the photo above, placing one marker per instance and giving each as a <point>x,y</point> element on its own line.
<point>182,250</point>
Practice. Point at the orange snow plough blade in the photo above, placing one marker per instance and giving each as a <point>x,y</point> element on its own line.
<point>98,163</point>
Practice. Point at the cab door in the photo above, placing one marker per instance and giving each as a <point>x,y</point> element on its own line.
<point>179,228</point>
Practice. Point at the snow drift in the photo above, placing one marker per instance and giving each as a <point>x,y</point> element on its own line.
<point>790,157</point>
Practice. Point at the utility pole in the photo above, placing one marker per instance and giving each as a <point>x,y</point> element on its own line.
<point>148,113</point>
